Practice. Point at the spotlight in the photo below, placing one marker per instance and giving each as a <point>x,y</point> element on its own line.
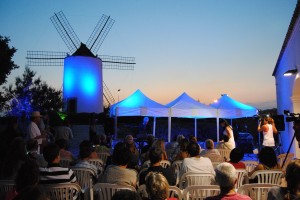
<point>290,72</point>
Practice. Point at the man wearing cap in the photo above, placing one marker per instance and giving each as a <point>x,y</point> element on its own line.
<point>33,129</point>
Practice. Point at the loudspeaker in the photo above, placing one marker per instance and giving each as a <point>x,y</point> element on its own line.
<point>279,122</point>
<point>72,105</point>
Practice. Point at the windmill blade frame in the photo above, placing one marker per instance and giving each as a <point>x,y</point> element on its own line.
<point>45,58</point>
<point>65,31</point>
<point>117,62</point>
<point>99,33</point>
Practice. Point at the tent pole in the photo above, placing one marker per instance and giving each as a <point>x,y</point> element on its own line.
<point>116,131</point>
<point>169,129</point>
<point>218,134</point>
<point>154,126</point>
<point>195,127</point>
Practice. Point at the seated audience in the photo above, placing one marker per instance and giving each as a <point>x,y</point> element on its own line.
<point>292,178</point>
<point>85,153</point>
<point>100,143</point>
<point>134,158</point>
<point>144,151</point>
<point>126,195</point>
<point>118,173</point>
<point>155,155</point>
<point>28,175</point>
<point>15,156</point>
<point>210,152</point>
<point>226,179</point>
<point>183,153</point>
<point>63,152</point>
<point>267,160</point>
<point>236,155</point>
<point>54,173</point>
<point>32,153</point>
<point>157,186</point>
<point>195,162</point>
<point>160,143</point>
<point>192,138</point>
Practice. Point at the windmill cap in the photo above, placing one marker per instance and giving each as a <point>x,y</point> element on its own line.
<point>36,114</point>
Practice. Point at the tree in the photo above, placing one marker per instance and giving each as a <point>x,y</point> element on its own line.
<point>30,94</point>
<point>6,63</point>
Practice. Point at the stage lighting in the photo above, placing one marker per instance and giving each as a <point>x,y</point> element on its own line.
<point>290,72</point>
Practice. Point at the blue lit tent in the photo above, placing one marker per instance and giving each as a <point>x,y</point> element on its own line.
<point>186,107</point>
<point>230,108</point>
<point>138,104</point>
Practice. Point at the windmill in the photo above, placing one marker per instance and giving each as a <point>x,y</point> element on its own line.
<point>83,85</point>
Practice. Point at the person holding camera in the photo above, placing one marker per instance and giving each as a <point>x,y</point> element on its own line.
<point>268,128</point>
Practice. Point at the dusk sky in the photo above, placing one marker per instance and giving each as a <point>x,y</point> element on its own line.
<point>202,47</point>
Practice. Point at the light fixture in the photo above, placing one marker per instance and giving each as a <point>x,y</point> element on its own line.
<point>290,72</point>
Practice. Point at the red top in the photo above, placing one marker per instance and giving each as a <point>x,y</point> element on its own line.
<point>239,165</point>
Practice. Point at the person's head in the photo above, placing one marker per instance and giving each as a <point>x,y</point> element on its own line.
<point>155,155</point>
<point>102,139</point>
<point>157,186</point>
<point>35,116</point>
<point>264,120</point>
<point>223,123</point>
<point>126,195</point>
<point>267,156</point>
<point>62,143</point>
<point>179,138</point>
<point>159,143</point>
<point>184,144</point>
<point>150,139</point>
<point>192,138</point>
<point>225,176</point>
<point>121,154</point>
<point>209,144</point>
<point>129,140</point>
<point>193,149</point>
<point>236,155</point>
<point>85,149</point>
<point>270,120</point>
<point>51,153</point>
<point>292,177</point>
<point>28,175</point>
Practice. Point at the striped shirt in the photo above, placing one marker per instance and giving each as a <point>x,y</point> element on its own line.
<point>55,174</point>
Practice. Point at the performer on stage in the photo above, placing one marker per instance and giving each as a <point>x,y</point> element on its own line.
<point>145,127</point>
<point>229,132</point>
<point>267,126</point>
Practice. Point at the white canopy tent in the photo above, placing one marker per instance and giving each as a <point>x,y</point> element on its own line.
<point>186,107</point>
<point>138,104</point>
<point>230,108</point>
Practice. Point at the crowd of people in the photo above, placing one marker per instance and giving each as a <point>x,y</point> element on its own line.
<point>36,159</point>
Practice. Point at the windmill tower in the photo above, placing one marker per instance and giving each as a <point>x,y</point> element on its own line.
<point>83,85</point>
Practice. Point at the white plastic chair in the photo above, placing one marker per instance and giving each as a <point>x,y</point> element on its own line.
<point>198,192</point>
<point>62,191</point>
<point>98,163</point>
<point>195,178</point>
<point>225,154</point>
<point>105,191</point>
<point>103,156</point>
<point>281,158</point>
<point>146,164</point>
<point>242,176</point>
<point>176,166</point>
<point>165,163</point>
<point>268,176</point>
<point>257,191</point>
<point>215,164</point>
<point>5,187</point>
<point>65,162</point>
<point>85,180</point>
<point>175,192</point>
<point>250,165</point>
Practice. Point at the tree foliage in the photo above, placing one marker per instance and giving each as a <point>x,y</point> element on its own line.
<point>6,62</point>
<point>29,93</point>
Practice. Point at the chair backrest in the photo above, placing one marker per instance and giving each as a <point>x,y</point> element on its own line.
<point>62,191</point>
<point>5,187</point>
<point>175,192</point>
<point>215,164</point>
<point>281,158</point>
<point>98,163</point>
<point>195,178</point>
<point>176,166</point>
<point>200,192</point>
<point>268,176</point>
<point>255,191</point>
<point>85,180</point>
<point>65,162</point>
<point>103,156</point>
<point>225,154</point>
<point>165,163</point>
<point>105,191</point>
<point>242,175</point>
<point>250,165</point>
<point>146,164</point>
<point>142,191</point>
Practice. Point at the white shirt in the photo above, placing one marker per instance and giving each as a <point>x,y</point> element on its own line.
<point>34,131</point>
<point>268,137</point>
<point>202,165</point>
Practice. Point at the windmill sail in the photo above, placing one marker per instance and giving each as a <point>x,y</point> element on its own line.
<point>45,58</point>
<point>66,32</point>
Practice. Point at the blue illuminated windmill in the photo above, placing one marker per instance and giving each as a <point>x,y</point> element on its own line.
<point>83,86</point>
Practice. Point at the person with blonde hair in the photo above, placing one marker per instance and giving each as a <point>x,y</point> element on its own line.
<point>160,143</point>
<point>157,186</point>
<point>267,126</point>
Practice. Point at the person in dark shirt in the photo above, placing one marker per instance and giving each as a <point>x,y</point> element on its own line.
<point>155,156</point>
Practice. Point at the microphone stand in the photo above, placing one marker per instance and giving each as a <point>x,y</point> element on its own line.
<point>288,151</point>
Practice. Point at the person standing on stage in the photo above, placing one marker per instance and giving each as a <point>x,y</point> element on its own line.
<point>267,126</point>
<point>229,132</point>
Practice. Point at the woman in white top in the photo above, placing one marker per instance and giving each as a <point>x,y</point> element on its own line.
<point>267,126</point>
<point>229,132</point>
